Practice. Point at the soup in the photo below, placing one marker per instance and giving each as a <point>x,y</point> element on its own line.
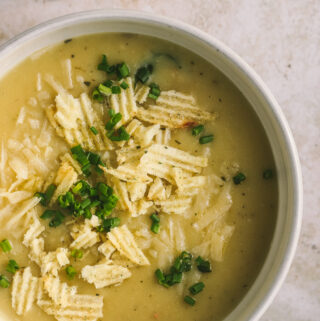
<point>136,183</point>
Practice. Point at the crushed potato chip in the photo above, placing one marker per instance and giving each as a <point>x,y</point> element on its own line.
<point>157,190</point>
<point>136,190</point>
<point>84,236</point>
<point>141,93</point>
<point>107,249</point>
<point>175,205</point>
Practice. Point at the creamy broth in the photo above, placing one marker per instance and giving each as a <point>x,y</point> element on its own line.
<point>238,137</point>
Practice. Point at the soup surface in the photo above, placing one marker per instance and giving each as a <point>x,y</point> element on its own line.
<point>226,215</point>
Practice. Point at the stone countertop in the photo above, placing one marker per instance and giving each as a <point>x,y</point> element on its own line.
<point>281,41</point>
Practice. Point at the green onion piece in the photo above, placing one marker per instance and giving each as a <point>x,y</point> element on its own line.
<point>109,223</point>
<point>143,73</point>
<point>4,282</point>
<point>104,64</point>
<point>77,254</point>
<point>155,218</point>
<point>160,276</point>
<point>71,272</point>
<point>96,95</point>
<point>94,130</point>
<point>49,192</point>
<point>154,91</point>
<point>85,203</point>
<point>124,85</point>
<point>5,245</point>
<point>48,214</point>
<point>122,134</point>
<point>197,130</point>
<point>93,158</point>
<point>111,113</point>
<point>86,169</point>
<point>267,174</point>
<point>106,91</point>
<point>152,96</point>
<point>188,299</point>
<point>77,188</point>
<point>113,121</point>
<point>57,219</point>
<point>12,267</point>
<point>116,89</point>
<point>203,265</point>
<point>108,83</point>
<point>42,198</point>
<point>206,139</point>
<point>155,227</point>
<point>123,70</point>
<point>196,288</point>
<point>80,155</point>
<point>240,177</point>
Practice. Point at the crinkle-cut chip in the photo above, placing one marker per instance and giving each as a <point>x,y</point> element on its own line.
<point>123,240</point>
<point>67,158</point>
<point>124,103</point>
<point>175,205</point>
<point>84,237</point>
<point>120,189</point>
<point>129,173</point>
<point>168,191</point>
<point>175,157</point>
<point>66,177</point>
<point>218,211</point>
<point>121,260</point>
<point>52,262</point>
<point>129,154</point>
<point>33,232</point>
<point>142,207</point>
<point>141,93</point>
<point>24,291</point>
<point>136,190</point>
<point>130,128</point>
<point>144,135</point>
<point>37,250</point>
<point>58,291</point>
<point>19,212</point>
<point>78,307</point>
<point>102,275</point>
<point>176,235</point>
<point>163,137</point>
<point>107,249</point>
<point>174,110</point>
<point>16,197</point>
<point>190,185</point>
<point>20,167</point>
<point>157,190</point>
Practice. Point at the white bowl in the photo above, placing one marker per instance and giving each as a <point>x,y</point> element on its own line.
<point>262,101</point>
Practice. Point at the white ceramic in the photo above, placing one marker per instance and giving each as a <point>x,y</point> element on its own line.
<point>269,112</point>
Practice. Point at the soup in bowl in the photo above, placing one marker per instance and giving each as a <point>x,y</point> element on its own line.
<point>138,179</point>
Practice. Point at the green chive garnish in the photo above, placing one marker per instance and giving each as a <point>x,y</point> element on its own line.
<point>155,227</point>
<point>5,245</point>
<point>4,282</point>
<point>206,139</point>
<point>42,198</point>
<point>104,64</point>
<point>106,91</point>
<point>77,254</point>
<point>49,192</point>
<point>143,73</point>
<point>196,288</point>
<point>94,130</point>
<point>154,91</point>
<point>197,130</point>
<point>240,177</point>
<point>108,83</point>
<point>123,70</point>
<point>12,267</point>
<point>267,174</point>
<point>124,85</point>
<point>115,118</point>
<point>188,299</point>
<point>121,135</point>
<point>96,95</point>
<point>116,89</point>
<point>203,265</point>
<point>71,272</point>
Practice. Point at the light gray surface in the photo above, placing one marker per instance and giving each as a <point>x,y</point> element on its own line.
<point>281,40</point>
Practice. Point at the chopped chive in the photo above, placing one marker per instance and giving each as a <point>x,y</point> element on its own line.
<point>116,89</point>
<point>103,65</point>
<point>96,95</point>
<point>94,130</point>
<point>4,282</point>
<point>77,254</point>
<point>47,214</point>
<point>152,96</point>
<point>267,174</point>
<point>109,223</point>
<point>77,188</point>
<point>108,83</point>
<point>154,91</point>
<point>155,227</point>
<point>123,70</point>
<point>240,177</point>
<point>115,118</point>
<point>196,288</point>
<point>71,272</point>
<point>124,85</point>
<point>188,299</point>
<point>143,73</point>
<point>206,139</point>
<point>111,113</point>
<point>121,135</point>
<point>86,169</point>
<point>12,267</point>
<point>203,265</point>
<point>160,276</point>
<point>42,198</point>
<point>57,219</point>
<point>155,218</point>
<point>197,130</point>
<point>49,192</point>
<point>80,155</point>
<point>106,91</point>
<point>5,245</point>
<point>85,203</point>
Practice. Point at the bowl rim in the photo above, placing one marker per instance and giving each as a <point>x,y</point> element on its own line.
<point>294,166</point>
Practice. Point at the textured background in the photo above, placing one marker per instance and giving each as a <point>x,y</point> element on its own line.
<point>280,39</point>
